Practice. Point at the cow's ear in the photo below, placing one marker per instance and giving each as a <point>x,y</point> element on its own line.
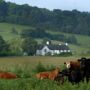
<point>64,62</point>
<point>83,58</point>
<point>79,60</point>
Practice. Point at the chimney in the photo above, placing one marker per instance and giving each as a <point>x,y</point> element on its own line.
<point>47,42</point>
<point>66,44</point>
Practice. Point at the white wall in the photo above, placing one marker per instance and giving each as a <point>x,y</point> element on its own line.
<point>46,50</point>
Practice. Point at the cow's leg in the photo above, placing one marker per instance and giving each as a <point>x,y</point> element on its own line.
<point>87,77</point>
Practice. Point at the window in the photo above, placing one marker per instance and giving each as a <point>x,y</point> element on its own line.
<point>45,50</point>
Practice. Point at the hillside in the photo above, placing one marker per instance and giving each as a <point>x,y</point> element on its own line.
<point>74,21</point>
<point>6,32</point>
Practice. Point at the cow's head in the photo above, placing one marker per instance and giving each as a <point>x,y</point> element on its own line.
<point>67,64</point>
<point>82,61</point>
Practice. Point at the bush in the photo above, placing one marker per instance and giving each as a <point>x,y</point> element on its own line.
<point>40,68</point>
<point>64,54</point>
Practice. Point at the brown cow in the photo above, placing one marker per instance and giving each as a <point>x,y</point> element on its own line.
<point>7,75</point>
<point>72,65</point>
<point>49,74</point>
<point>75,74</point>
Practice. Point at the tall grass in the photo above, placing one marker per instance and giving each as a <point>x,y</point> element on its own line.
<point>26,75</point>
<point>27,81</point>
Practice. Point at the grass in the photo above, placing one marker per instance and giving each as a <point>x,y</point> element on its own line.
<point>5,30</point>
<point>8,27</point>
<point>24,66</point>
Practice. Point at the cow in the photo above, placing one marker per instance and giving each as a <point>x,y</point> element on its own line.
<point>85,67</point>
<point>75,76</point>
<point>73,71</point>
<point>48,74</point>
<point>7,75</point>
<point>60,78</point>
<point>72,65</point>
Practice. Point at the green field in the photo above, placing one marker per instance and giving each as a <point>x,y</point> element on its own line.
<point>25,66</point>
<point>78,50</point>
<point>5,30</point>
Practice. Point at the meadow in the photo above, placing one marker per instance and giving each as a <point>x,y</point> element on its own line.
<point>25,67</point>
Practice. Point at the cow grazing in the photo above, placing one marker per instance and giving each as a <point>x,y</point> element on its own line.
<point>49,74</point>
<point>7,75</point>
<point>85,67</point>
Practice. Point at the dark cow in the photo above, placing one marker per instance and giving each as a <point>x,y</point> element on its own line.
<point>72,76</point>
<point>74,72</point>
<point>85,67</point>
<point>75,76</point>
<point>60,78</point>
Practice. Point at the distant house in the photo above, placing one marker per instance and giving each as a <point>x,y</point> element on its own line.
<point>52,49</point>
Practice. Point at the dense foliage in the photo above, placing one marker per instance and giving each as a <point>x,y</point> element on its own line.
<point>41,33</point>
<point>29,46</point>
<point>3,47</point>
<point>63,21</point>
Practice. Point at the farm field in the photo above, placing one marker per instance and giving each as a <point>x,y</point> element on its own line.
<point>25,67</point>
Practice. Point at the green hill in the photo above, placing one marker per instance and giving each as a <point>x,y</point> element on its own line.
<point>6,30</point>
<point>74,21</point>
<point>84,41</point>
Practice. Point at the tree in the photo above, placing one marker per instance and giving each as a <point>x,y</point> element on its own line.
<point>3,10</point>
<point>64,21</point>
<point>15,46</point>
<point>14,31</point>
<point>45,40</point>
<point>72,39</point>
<point>29,46</point>
<point>3,47</point>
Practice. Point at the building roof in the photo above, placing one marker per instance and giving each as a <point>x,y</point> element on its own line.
<point>54,47</point>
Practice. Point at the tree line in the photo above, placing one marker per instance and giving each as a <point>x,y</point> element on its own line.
<point>27,46</point>
<point>64,21</point>
<point>41,33</point>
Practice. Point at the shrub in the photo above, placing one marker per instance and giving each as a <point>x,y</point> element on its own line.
<point>64,54</point>
<point>39,68</point>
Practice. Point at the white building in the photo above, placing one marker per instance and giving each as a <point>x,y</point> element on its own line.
<point>52,49</point>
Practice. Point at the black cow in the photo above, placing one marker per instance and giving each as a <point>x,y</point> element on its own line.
<point>85,67</point>
<point>73,76</point>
